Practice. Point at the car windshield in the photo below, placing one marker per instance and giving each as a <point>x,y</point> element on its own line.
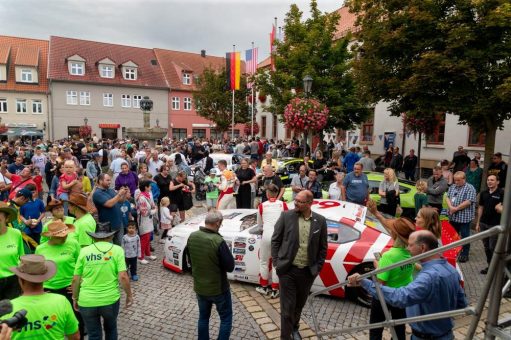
<point>248,221</point>
<point>339,232</point>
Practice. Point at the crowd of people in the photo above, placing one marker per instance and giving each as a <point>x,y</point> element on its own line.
<point>79,216</point>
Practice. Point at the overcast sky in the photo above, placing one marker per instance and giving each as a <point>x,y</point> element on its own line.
<point>184,25</point>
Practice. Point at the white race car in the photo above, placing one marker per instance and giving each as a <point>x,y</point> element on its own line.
<point>351,244</point>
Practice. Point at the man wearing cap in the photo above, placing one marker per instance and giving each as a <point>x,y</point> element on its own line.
<point>435,289</point>
<point>21,198</point>
<point>99,270</point>
<point>108,202</point>
<point>50,316</point>
<point>84,221</point>
<point>63,251</point>
<point>56,208</point>
<point>11,249</point>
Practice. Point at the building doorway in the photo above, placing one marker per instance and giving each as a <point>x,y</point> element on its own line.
<point>108,133</point>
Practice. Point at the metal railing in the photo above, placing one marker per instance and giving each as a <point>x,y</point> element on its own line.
<point>492,287</point>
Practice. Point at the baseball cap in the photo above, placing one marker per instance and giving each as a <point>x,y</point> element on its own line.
<point>25,193</point>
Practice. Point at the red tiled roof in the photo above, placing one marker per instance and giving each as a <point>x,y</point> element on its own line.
<point>148,75</point>
<point>265,63</point>
<point>346,23</point>
<point>174,63</point>
<point>27,56</point>
<point>25,50</point>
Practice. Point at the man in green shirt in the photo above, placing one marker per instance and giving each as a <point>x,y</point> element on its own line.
<point>56,207</point>
<point>50,316</point>
<point>84,222</point>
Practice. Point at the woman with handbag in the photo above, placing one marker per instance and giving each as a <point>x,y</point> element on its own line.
<point>181,193</point>
<point>146,209</point>
<point>389,192</point>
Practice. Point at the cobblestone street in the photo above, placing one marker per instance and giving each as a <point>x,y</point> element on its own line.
<point>165,307</point>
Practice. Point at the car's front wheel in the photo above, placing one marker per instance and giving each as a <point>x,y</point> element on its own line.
<point>359,294</point>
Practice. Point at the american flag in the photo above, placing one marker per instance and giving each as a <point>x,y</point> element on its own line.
<point>251,63</point>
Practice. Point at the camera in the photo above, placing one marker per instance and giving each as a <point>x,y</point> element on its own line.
<point>17,321</point>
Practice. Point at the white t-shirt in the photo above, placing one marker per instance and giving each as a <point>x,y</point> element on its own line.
<point>334,192</point>
<point>153,167</point>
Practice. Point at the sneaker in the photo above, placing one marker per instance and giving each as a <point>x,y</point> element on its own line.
<point>484,271</point>
<point>152,249</point>
<point>462,258</point>
<point>152,257</point>
<point>144,261</point>
<point>275,293</point>
<point>263,290</point>
<point>134,277</point>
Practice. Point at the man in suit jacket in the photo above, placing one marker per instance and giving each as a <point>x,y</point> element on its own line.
<point>298,250</point>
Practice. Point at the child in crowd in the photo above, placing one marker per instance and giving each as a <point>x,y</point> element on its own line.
<point>67,180</point>
<point>127,210</point>
<point>132,249</point>
<point>38,180</point>
<point>86,185</point>
<point>420,198</point>
<point>142,171</point>
<point>165,218</point>
<point>211,183</point>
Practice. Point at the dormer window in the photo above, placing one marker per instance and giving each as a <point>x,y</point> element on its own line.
<point>107,71</point>
<point>26,76</point>
<point>130,73</point>
<point>187,78</point>
<point>77,68</point>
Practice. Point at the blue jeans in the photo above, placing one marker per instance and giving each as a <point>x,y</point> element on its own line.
<point>64,197</point>
<point>92,319</point>
<point>223,304</point>
<point>463,229</point>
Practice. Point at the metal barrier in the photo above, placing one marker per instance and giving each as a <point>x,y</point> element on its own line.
<point>492,288</point>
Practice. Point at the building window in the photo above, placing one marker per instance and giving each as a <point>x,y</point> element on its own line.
<point>438,133</point>
<point>126,100</point>
<point>199,133</point>
<point>130,73</point>
<point>274,126</point>
<point>136,101</point>
<point>37,106</point>
<point>263,127</point>
<point>108,133</point>
<point>21,106</point>
<point>107,71</point>
<point>236,133</point>
<point>26,76</point>
<point>71,98</point>
<point>77,69</point>
<point>289,133</point>
<point>187,103</point>
<point>84,98</point>
<point>216,134</point>
<point>108,99</point>
<point>187,79</point>
<point>476,138</point>
<point>179,134</point>
<point>367,130</point>
<point>73,131</point>
<point>3,105</point>
<point>175,103</point>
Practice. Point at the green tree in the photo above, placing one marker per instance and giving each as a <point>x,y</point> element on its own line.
<point>213,100</point>
<point>425,57</point>
<point>309,48</point>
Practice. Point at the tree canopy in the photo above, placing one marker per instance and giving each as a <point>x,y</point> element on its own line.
<point>309,48</point>
<point>425,57</point>
<point>213,100</point>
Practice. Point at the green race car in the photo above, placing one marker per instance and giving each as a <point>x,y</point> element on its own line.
<point>288,168</point>
<point>288,195</point>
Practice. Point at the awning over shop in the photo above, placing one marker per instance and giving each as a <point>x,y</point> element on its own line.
<point>23,132</point>
<point>109,126</point>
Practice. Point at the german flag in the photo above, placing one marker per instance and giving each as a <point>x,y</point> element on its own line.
<point>233,68</point>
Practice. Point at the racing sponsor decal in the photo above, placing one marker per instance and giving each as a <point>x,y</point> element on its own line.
<point>174,249</point>
<point>241,277</point>
<point>175,255</point>
<point>327,204</point>
<point>251,240</point>
<point>239,263</point>
<point>176,262</point>
<point>239,251</point>
<point>240,240</point>
<point>240,245</point>
<point>238,258</point>
<point>239,270</point>
<point>251,248</point>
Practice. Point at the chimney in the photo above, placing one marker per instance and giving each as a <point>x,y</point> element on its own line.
<point>203,53</point>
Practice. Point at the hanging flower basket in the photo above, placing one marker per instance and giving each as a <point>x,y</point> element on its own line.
<point>248,129</point>
<point>305,115</point>
<point>85,131</point>
<point>262,98</point>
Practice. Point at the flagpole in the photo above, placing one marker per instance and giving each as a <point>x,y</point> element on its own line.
<point>232,121</point>
<point>252,100</point>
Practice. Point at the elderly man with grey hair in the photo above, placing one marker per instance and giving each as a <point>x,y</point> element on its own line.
<point>211,260</point>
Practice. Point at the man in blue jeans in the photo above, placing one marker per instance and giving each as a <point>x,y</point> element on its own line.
<point>461,200</point>
<point>211,260</point>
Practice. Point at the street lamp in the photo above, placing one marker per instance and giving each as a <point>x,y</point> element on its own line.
<point>146,105</point>
<point>85,121</point>
<point>307,85</point>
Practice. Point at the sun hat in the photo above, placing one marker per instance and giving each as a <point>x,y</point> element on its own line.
<point>402,227</point>
<point>35,268</point>
<point>10,211</point>
<point>103,230</point>
<point>58,228</point>
<point>54,204</point>
<point>79,200</point>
